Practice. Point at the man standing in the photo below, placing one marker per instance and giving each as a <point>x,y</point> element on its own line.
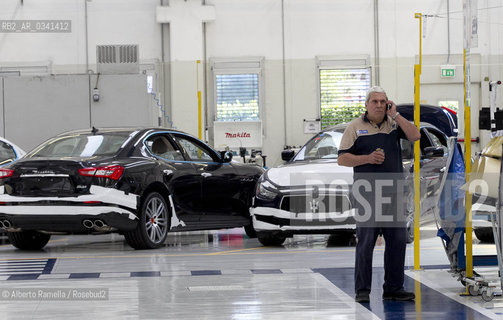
<point>371,145</point>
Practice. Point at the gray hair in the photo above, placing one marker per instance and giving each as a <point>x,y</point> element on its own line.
<point>375,89</point>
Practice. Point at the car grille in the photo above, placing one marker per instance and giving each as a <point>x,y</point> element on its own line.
<point>322,203</point>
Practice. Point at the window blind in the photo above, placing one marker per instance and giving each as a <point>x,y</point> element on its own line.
<point>342,94</point>
<point>237,97</point>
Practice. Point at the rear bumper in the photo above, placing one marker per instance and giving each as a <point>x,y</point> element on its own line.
<point>270,219</point>
<point>66,214</point>
<point>69,223</point>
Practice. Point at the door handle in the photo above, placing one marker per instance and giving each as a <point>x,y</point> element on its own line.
<point>206,174</point>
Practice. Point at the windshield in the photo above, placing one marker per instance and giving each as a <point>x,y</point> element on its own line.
<point>83,145</point>
<point>323,146</point>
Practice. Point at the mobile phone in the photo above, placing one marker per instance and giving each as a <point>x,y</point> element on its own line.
<point>388,106</point>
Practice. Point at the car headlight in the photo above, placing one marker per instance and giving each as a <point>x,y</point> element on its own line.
<point>265,190</point>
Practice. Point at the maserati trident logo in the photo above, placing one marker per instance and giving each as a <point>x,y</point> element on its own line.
<point>314,205</point>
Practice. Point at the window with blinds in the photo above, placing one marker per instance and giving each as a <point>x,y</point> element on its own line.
<point>237,97</point>
<point>342,94</point>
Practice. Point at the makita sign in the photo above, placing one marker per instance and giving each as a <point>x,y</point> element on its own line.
<point>236,134</point>
<point>229,135</point>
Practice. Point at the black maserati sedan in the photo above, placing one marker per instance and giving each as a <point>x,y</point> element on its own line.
<point>140,182</point>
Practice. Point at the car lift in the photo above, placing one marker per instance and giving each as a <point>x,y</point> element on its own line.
<point>474,284</point>
<point>478,284</point>
<point>487,286</point>
<point>451,230</point>
<point>450,219</point>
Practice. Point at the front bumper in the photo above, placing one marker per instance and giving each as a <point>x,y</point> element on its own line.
<point>115,208</point>
<point>273,219</point>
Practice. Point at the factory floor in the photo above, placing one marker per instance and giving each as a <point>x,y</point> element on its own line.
<point>226,275</point>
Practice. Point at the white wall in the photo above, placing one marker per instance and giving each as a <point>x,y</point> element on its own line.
<point>289,34</point>
<point>108,22</point>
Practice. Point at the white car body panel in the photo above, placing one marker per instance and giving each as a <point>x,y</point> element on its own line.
<point>97,193</point>
<point>328,174</point>
<point>337,217</point>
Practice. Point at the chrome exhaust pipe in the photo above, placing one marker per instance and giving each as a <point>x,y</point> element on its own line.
<point>6,224</point>
<point>88,223</point>
<point>99,224</point>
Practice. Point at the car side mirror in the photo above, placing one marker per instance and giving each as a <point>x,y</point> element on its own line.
<point>433,152</point>
<point>288,154</point>
<point>226,156</point>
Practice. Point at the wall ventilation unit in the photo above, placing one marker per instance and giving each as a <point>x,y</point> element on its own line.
<point>117,59</point>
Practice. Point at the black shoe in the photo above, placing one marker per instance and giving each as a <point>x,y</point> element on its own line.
<point>362,297</point>
<point>399,296</point>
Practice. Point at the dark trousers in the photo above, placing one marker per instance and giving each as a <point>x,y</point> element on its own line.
<point>394,257</point>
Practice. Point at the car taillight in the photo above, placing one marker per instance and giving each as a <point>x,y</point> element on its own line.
<point>111,172</point>
<point>4,173</point>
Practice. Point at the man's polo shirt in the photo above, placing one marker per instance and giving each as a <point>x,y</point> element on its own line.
<point>363,137</point>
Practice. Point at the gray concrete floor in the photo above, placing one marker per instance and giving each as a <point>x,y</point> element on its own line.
<point>212,275</point>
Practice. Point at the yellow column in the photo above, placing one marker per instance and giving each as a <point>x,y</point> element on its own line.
<point>417,151</point>
<point>468,166</point>
<point>199,107</point>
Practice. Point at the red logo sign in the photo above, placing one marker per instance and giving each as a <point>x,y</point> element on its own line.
<point>237,135</point>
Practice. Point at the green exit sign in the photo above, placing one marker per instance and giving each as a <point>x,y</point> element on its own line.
<point>447,71</point>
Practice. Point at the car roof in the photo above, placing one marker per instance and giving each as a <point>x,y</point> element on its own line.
<point>445,121</point>
<point>118,129</point>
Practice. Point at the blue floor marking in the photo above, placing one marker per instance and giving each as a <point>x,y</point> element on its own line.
<point>24,277</point>
<point>146,274</point>
<point>434,305</point>
<point>206,273</point>
<point>14,268</point>
<point>49,266</point>
<point>266,271</point>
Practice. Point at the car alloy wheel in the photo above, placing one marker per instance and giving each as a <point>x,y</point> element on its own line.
<point>153,224</point>
<point>156,219</point>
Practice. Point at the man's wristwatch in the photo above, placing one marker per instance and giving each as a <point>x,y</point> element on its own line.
<point>396,115</point>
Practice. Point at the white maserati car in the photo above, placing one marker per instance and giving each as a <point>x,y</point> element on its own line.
<point>310,193</point>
